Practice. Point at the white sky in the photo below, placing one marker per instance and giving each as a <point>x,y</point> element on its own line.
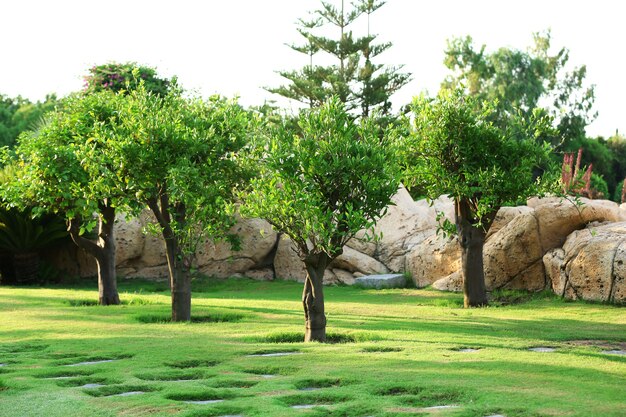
<point>235,47</point>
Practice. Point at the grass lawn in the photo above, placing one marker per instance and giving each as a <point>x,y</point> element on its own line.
<point>402,352</point>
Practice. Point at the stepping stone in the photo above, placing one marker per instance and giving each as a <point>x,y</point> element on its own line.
<point>91,386</point>
<point>542,349</point>
<point>467,350</point>
<point>269,355</point>
<point>496,415</point>
<point>614,352</point>
<point>306,406</point>
<point>91,362</point>
<point>127,394</point>
<point>2,364</point>
<point>267,376</point>
<point>309,389</point>
<point>61,377</point>
<point>439,407</point>
<point>203,402</point>
<point>381,281</point>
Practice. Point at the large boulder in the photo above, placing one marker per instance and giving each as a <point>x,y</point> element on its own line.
<point>406,224</point>
<point>435,258</point>
<point>354,261</point>
<point>591,265</point>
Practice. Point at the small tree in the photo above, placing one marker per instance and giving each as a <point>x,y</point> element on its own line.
<point>179,157</point>
<point>125,77</point>
<point>62,168</point>
<point>320,186</point>
<point>450,149</point>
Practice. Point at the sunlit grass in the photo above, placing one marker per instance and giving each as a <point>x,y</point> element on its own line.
<point>396,352</point>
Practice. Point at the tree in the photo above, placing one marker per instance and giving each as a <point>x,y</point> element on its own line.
<point>450,149</point>
<point>62,168</point>
<point>320,186</point>
<point>353,77</point>
<point>521,81</point>
<point>125,77</point>
<point>179,157</point>
<point>19,114</point>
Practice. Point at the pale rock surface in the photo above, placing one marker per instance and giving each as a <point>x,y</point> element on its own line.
<point>435,258</point>
<point>591,264</point>
<point>354,261</point>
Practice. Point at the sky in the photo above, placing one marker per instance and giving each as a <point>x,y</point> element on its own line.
<point>236,47</point>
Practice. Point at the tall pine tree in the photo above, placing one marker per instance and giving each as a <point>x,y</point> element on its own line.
<point>351,76</point>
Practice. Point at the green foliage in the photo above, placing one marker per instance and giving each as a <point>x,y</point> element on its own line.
<point>123,77</point>
<point>353,77</point>
<point>19,114</point>
<point>327,181</point>
<point>182,156</point>
<point>599,187</point>
<point>63,167</point>
<point>520,81</point>
<point>451,149</point>
<point>20,233</point>
<point>619,192</point>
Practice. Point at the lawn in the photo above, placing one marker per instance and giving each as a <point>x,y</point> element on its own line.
<point>396,353</point>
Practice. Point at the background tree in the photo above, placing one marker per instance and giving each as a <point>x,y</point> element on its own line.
<point>179,157</point>
<point>125,77</point>
<point>451,149</point>
<point>320,186</point>
<point>359,83</point>
<point>62,168</point>
<point>19,114</point>
<point>521,81</point>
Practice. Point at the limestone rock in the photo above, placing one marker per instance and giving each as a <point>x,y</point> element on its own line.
<point>287,263</point>
<point>406,224</point>
<point>355,261</point>
<point>436,257</point>
<point>129,238</point>
<point>591,264</point>
<point>344,277</point>
<point>452,282</point>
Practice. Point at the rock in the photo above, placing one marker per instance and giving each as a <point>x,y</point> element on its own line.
<point>406,224</point>
<point>504,217</point>
<point>287,263</point>
<point>436,257</point>
<point>129,238</point>
<point>355,261</point>
<point>452,282</point>
<point>591,264</point>
<point>512,256</point>
<point>382,281</point>
<point>264,274</point>
<point>363,243</point>
<point>344,277</point>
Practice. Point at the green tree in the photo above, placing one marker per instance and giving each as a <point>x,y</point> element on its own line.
<point>451,149</point>
<point>320,186</point>
<point>521,81</point>
<point>179,157</point>
<point>63,168</point>
<point>353,77</point>
<point>124,77</point>
<point>19,114</point>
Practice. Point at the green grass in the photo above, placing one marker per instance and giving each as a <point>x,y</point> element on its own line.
<point>395,353</point>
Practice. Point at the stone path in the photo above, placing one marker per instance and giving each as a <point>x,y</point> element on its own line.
<point>91,362</point>
<point>269,355</point>
<point>542,349</point>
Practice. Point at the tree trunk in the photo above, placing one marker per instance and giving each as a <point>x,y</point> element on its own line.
<point>180,281</point>
<point>103,251</point>
<point>180,277</point>
<point>107,280</point>
<point>313,298</point>
<point>472,240</point>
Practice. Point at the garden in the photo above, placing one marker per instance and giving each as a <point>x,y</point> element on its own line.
<point>163,253</point>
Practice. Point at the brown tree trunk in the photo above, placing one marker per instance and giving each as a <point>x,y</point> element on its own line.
<point>472,240</point>
<point>180,282</point>
<point>180,277</point>
<point>107,279</point>
<point>103,251</point>
<point>313,298</point>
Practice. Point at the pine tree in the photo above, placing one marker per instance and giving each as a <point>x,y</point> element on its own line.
<point>352,76</point>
